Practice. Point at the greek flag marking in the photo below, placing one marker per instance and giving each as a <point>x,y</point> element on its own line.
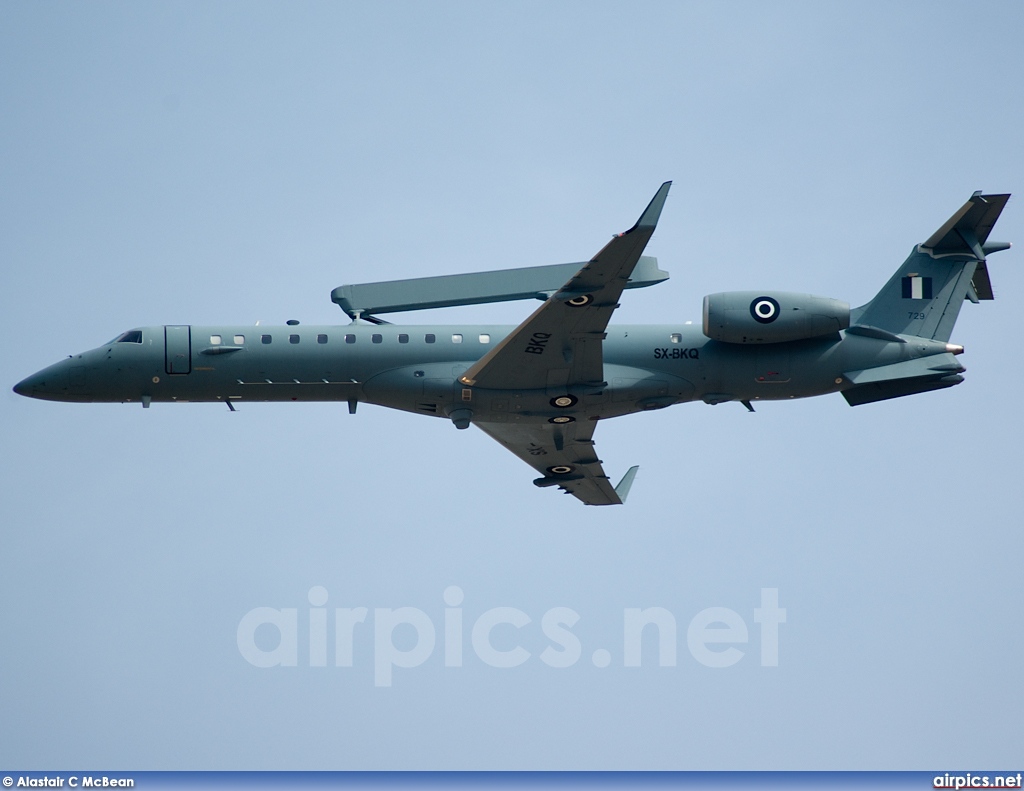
<point>917,287</point>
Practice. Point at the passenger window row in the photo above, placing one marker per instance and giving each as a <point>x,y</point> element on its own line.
<point>351,338</point>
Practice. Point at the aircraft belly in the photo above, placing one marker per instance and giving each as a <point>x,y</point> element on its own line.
<point>797,369</point>
<point>424,389</point>
<point>635,389</point>
<point>794,369</point>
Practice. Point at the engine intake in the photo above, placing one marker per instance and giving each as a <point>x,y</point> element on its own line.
<point>763,317</point>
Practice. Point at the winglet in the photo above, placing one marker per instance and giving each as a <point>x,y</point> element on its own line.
<point>649,219</point>
<point>622,490</point>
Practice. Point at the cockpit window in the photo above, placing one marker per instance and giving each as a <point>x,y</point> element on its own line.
<point>132,336</point>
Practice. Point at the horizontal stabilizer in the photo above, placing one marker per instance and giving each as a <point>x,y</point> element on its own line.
<point>909,369</point>
<point>474,288</point>
<point>966,232</point>
<point>902,379</point>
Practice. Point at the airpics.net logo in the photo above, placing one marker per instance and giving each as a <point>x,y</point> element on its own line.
<point>407,637</point>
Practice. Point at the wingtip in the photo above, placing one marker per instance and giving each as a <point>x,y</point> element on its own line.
<point>649,219</point>
<point>622,490</point>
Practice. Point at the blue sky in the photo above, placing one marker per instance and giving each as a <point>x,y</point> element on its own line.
<point>234,162</point>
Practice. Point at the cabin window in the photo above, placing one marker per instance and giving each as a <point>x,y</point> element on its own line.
<point>375,338</point>
<point>456,337</point>
<point>350,338</point>
<point>403,338</point>
<point>239,340</point>
<point>266,338</point>
<point>675,337</point>
<point>215,340</point>
<point>132,336</point>
<point>293,339</point>
<point>321,338</point>
<point>429,337</point>
<point>485,338</point>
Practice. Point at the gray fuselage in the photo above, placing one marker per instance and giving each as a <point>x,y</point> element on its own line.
<point>415,368</point>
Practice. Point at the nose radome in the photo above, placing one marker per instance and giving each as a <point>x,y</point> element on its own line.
<point>63,381</point>
<point>24,387</point>
<point>34,386</point>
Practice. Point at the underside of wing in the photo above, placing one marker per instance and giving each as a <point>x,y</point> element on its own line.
<point>565,457</point>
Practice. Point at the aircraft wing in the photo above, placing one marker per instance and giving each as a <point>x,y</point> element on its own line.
<point>560,344</point>
<point>544,446</point>
<point>560,347</point>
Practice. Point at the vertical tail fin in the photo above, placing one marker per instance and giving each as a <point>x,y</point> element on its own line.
<point>924,296</point>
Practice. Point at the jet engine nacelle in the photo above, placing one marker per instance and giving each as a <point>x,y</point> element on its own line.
<point>761,317</point>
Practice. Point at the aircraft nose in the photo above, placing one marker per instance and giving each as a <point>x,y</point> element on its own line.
<point>42,384</point>
<point>24,387</point>
<point>67,380</point>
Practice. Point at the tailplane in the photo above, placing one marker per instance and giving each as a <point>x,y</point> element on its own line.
<point>924,296</point>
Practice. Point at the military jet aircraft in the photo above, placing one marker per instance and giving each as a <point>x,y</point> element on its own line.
<point>540,388</point>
